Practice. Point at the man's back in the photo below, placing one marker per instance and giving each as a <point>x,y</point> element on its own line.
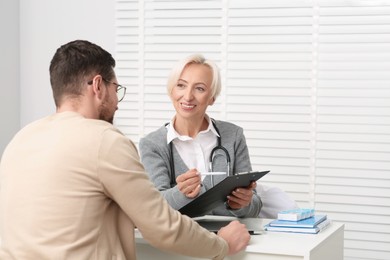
<point>78,193</point>
<point>53,200</point>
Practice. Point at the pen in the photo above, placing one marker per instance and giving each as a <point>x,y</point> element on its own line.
<point>212,173</point>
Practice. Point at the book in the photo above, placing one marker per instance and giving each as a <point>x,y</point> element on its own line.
<point>313,230</point>
<point>296,214</point>
<point>304,223</point>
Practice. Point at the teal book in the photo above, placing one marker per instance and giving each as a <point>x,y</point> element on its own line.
<point>308,230</point>
<point>304,223</point>
<point>296,214</point>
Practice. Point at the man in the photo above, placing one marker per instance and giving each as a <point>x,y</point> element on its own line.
<point>73,186</point>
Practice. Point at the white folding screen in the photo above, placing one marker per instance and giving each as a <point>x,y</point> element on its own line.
<point>309,81</point>
<point>352,177</point>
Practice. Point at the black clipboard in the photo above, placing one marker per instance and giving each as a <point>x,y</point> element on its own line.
<point>217,194</point>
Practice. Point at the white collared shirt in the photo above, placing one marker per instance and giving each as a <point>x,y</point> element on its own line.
<point>195,152</point>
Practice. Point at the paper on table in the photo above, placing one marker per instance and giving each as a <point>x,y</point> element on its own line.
<point>214,218</point>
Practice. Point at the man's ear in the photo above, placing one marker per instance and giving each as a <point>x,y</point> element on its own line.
<point>97,87</point>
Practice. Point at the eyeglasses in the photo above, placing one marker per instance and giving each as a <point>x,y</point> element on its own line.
<point>120,90</point>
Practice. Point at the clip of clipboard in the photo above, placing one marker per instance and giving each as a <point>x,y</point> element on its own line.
<point>216,196</point>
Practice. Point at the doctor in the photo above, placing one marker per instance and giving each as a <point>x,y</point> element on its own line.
<point>177,153</point>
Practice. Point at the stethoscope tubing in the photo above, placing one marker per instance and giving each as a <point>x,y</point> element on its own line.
<point>213,151</point>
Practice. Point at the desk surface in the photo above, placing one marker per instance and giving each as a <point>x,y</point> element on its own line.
<point>328,244</point>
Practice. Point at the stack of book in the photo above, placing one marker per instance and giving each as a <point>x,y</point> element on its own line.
<point>300,221</point>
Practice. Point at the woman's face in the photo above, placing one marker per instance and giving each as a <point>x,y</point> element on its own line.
<point>192,94</point>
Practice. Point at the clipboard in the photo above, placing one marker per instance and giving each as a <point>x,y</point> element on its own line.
<point>217,194</point>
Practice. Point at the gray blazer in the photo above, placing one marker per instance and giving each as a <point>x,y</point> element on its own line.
<point>155,156</point>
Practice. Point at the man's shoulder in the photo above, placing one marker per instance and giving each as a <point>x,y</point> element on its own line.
<point>71,122</point>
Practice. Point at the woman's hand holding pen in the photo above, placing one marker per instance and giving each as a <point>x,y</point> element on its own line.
<point>241,197</point>
<point>189,182</point>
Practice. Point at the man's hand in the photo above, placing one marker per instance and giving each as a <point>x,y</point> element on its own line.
<point>189,182</point>
<point>236,235</point>
<point>241,197</point>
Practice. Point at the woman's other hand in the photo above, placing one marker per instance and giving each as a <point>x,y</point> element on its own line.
<point>241,197</point>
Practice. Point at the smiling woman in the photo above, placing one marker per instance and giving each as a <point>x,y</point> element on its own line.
<point>194,142</point>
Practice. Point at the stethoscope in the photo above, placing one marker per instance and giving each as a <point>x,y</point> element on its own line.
<point>212,154</point>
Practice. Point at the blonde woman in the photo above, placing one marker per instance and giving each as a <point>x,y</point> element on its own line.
<point>175,154</point>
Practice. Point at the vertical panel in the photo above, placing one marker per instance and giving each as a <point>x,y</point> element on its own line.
<point>353,123</point>
<point>128,66</point>
<point>269,84</point>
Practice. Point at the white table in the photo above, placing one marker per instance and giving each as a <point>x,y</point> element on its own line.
<point>328,244</point>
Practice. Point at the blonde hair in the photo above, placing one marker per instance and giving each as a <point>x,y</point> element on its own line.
<point>195,59</point>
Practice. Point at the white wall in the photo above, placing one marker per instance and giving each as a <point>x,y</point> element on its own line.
<point>9,71</point>
<point>44,26</point>
<point>31,32</point>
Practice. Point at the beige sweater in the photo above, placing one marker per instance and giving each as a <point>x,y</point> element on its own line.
<point>74,188</point>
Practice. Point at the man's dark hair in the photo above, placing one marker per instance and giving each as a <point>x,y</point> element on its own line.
<point>74,64</point>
